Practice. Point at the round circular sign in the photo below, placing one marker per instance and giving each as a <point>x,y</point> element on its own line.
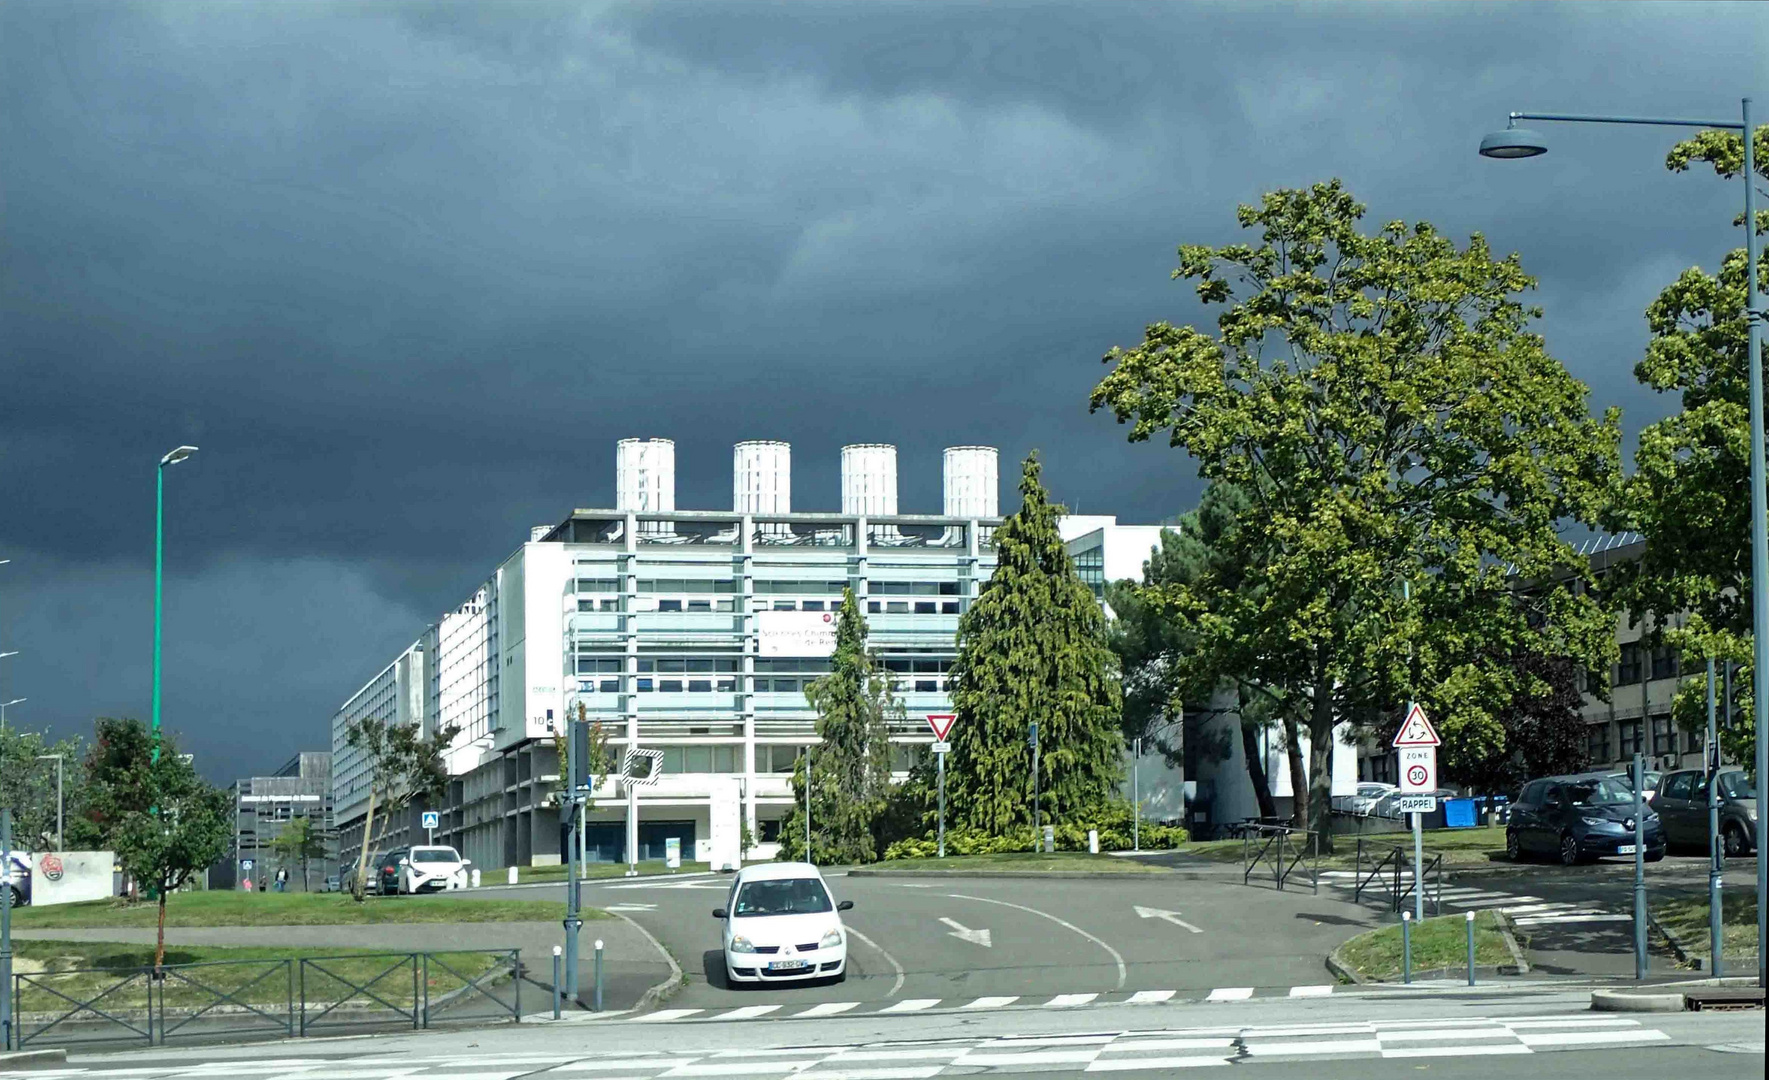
<point>52,868</point>
<point>1416,775</point>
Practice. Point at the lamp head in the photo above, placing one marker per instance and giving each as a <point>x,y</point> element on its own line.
<point>175,456</point>
<point>1513,142</point>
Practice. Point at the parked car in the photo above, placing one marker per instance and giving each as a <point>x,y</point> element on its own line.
<point>17,877</point>
<point>385,870</point>
<point>1364,800</point>
<point>1579,818</point>
<point>334,883</point>
<point>1388,805</point>
<point>1682,803</point>
<point>781,925</point>
<point>431,869</point>
<point>1650,776</point>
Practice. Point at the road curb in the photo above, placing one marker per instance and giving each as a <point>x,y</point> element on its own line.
<point>1343,970</point>
<point>1076,875</point>
<point>1635,1001</point>
<point>30,1059</point>
<point>1520,965</point>
<point>660,990</point>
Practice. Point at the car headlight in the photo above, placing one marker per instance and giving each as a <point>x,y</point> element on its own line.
<point>1596,821</point>
<point>830,940</point>
<point>741,944</point>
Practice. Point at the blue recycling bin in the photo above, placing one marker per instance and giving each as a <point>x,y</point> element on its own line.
<point>1458,813</point>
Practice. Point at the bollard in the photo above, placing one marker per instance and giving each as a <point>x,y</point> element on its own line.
<point>556,952</point>
<point>512,875</point>
<point>1093,841</point>
<point>1406,947</point>
<point>1471,948</point>
<point>475,877</point>
<point>598,974</point>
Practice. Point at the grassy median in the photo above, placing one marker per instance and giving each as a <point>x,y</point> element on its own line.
<point>235,908</point>
<point>1687,918</point>
<point>257,976</point>
<point>594,871</point>
<point>1459,847</point>
<point>1441,942</point>
<point>1025,862</point>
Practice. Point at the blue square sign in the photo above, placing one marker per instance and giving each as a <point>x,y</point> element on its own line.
<point>432,819</point>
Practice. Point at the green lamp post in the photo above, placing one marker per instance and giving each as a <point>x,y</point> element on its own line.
<point>172,458</point>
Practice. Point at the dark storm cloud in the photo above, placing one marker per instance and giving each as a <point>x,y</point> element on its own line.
<point>406,271</point>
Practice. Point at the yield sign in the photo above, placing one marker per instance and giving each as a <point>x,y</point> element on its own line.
<point>942,724</point>
<point>1417,731</point>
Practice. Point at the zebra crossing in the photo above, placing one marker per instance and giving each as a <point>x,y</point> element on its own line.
<point>1522,910</point>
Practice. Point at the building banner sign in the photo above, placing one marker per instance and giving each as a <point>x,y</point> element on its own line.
<point>795,633</point>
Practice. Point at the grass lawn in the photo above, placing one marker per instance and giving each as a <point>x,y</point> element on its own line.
<point>1688,918</point>
<point>598,870</point>
<point>235,908</point>
<point>81,969</point>
<point>1437,943</point>
<point>1459,847</point>
<point>1026,861</point>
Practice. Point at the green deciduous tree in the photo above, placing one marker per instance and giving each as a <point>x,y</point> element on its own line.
<point>115,782</point>
<point>186,826</point>
<point>1543,731</point>
<point>851,770</point>
<point>1032,648</point>
<point>403,765</point>
<point>1382,400</point>
<point>299,842</point>
<point>27,785</point>
<point>1689,495</point>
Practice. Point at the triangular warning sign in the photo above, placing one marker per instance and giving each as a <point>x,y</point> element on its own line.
<point>942,724</point>
<point>1417,731</point>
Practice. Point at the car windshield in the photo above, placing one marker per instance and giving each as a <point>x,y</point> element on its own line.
<point>435,854</point>
<point>784,896</point>
<point>1604,792</point>
<point>1736,785</point>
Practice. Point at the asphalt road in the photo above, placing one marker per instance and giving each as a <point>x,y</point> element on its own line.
<point>917,940</point>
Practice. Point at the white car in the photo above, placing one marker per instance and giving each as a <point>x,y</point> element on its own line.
<point>432,869</point>
<point>1368,794</point>
<point>781,925</point>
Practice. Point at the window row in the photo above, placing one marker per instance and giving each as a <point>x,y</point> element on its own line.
<point>918,607</point>
<point>774,759</point>
<point>890,607</point>
<point>1638,663</point>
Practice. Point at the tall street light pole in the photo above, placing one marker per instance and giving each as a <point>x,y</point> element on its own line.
<point>4,705</point>
<point>172,457</point>
<point>1516,142</point>
<point>60,841</point>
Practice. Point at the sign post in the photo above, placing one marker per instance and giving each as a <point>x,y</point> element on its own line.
<point>941,723</point>
<point>1416,746</point>
<point>1037,814</point>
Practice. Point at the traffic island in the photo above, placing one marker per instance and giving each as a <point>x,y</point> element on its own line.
<point>1439,951</point>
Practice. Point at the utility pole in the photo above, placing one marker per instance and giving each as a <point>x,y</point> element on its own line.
<point>1037,810</point>
<point>568,811</point>
<point>1716,853</point>
<point>6,929</point>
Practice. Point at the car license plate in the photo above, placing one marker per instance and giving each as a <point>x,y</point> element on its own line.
<point>788,965</point>
<point>1624,849</point>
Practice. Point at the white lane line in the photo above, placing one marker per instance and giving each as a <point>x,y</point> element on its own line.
<point>1069,1001</point>
<point>747,1012</point>
<point>1230,993</point>
<point>1311,991</point>
<point>665,1014</point>
<point>897,986</point>
<point>1133,1064</point>
<point>911,1005</point>
<point>1150,997</point>
<point>1131,1045</point>
<point>1590,1038</point>
<point>1455,1051</point>
<point>1317,1046</point>
<point>828,1008</point>
<point>1444,1034</point>
<point>1572,1021</point>
<point>991,1002</point>
<point>1123,972</point>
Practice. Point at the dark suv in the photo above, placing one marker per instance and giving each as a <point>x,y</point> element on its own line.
<point>1579,818</point>
<point>1682,801</point>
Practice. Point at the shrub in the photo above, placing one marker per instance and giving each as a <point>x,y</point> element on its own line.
<point>1112,821</point>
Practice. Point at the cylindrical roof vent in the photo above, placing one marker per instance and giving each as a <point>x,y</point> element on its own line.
<point>761,477</point>
<point>645,475</point>
<point>869,479</point>
<point>972,482</point>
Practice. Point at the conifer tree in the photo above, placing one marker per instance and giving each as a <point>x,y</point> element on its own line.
<point>1033,648</point>
<point>851,770</point>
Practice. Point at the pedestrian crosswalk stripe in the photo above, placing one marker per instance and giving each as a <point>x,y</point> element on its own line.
<point>670,1014</point>
<point>1230,993</point>
<point>829,1008</point>
<point>748,1011</point>
<point>1311,991</point>
<point>912,1005</point>
<point>1587,1038</point>
<point>1149,997</point>
<point>1454,1051</point>
<point>991,1002</point>
<point>1069,1001</point>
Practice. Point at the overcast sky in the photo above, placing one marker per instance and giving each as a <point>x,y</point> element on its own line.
<point>405,272</point>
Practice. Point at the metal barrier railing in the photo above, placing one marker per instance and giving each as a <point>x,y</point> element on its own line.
<point>234,999</point>
<point>1283,849</point>
<point>1394,872</point>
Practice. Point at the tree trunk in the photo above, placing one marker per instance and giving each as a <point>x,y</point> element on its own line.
<point>160,941</point>
<point>1320,765</point>
<point>359,887</point>
<point>304,887</point>
<point>1256,772</point>
<point>1298,774</point>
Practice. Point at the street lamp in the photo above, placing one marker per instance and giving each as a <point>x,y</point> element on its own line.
<point>60,840</point>
<point>173,457</point>
<point>4,705</point>
<point>1516,142</point>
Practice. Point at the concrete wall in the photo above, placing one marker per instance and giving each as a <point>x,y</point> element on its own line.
<point>85,875</point>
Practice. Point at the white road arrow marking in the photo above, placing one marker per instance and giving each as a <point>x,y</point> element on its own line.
<point>975,937</point>
<point>1170,916</point>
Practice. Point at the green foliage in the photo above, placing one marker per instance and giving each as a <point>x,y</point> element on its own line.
<point>299,843</point>
<point>115,779</point>
<point>1382,400</point>
<point>1032,648</point>
<point>27,785</point>
<point>1113,820</point>
<point>851,770</point>
<point>403,765</point>
<point>1689,494</point>
<point>1689,708</point>
<point>1542,731</point>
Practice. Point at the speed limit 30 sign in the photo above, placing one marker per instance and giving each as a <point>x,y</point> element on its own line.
<point>1418,769</point>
